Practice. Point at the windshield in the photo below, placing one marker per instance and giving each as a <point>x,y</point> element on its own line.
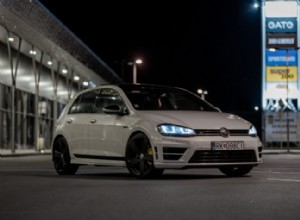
<point>146,97</point>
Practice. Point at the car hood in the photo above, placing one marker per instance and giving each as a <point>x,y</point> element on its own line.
<point>196,119</point>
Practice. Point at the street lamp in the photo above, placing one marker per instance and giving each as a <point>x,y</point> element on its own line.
<point>255,4</point>
<point>134,64</point>
<point>202,93</point>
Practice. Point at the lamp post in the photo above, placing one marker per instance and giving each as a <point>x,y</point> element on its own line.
<point>134,66</point>
<point>287,97</point>
<point>202,93</point>
<point>287,75</point>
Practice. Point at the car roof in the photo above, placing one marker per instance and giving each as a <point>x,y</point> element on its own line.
<point>131,86</point>
<point>141,85</point>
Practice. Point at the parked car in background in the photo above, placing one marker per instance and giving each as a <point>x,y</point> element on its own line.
<point>150,128</point>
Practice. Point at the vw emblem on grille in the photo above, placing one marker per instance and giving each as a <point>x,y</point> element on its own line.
<point>224,132</point>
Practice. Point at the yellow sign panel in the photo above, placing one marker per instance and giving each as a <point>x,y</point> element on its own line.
<point>282,74</point>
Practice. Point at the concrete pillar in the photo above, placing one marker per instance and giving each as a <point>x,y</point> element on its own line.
<point>14,71</point>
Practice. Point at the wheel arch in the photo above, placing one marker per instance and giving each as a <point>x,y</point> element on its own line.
<point>53,143</point>
<point>135,133</point>
<point>146,127</point>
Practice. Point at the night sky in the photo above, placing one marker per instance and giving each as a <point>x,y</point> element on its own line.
<point>215,46</point>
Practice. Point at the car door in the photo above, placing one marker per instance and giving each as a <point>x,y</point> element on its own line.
<point>78,122</point>
<point>106,131</point>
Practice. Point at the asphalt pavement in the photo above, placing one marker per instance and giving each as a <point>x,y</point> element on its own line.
<point>31,189</point>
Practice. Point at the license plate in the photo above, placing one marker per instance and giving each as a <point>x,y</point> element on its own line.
<point>227,145</point>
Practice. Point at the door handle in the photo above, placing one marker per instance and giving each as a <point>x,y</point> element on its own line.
<point>93,121</point>
<point>69,120</point>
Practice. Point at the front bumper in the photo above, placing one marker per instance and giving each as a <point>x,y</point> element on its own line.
<point>180,153</point>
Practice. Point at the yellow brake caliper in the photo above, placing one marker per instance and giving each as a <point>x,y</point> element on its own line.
<point>149,153</point>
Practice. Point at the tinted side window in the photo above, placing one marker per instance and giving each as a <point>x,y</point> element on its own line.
<point>87,103</point>
<point>74,106</point>
<point>94,101</point>
<point>107,97</point>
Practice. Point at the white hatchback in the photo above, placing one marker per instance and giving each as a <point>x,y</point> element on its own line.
<point>149,128</point>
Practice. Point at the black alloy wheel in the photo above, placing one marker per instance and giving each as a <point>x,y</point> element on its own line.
<point>61,158</point>
<point>139,157</point>
<point>236,171</point>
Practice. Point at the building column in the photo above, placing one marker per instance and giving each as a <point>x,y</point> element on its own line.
<point>37,76</point>
<point>55,77</point>
<point>14,71</point>
<point>1,116</point>
<point>24,100</point>
<point>70,84</point>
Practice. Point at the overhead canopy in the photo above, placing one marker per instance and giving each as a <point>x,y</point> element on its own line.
<point>30,20</point>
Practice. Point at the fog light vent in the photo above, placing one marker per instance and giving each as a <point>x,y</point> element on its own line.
<point>173,153</point>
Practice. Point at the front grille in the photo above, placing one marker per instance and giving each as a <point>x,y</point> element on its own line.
<point>173,153</point>
<point>216,132</point>
<point>223,156</point>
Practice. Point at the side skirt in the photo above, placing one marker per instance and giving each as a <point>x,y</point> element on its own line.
<point>99,157</point>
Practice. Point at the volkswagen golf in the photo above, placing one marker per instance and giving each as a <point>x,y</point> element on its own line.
<point>150,128</point>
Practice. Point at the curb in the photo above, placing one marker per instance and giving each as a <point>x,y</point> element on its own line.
<point>22,155</point>
<point>37,153</point>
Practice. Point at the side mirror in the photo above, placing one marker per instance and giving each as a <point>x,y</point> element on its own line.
<point>114,109</point>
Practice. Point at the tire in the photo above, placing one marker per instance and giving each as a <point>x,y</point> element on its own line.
<point>236,171</point>
<point>139,157</point>
<point>61,158</point>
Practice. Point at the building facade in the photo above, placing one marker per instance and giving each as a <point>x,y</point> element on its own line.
<point>42,65</point>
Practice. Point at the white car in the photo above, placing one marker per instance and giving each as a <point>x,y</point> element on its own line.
<point>149,128</point>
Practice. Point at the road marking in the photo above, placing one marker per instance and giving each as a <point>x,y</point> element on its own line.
<point>284,180</point>
<point>277,172</point>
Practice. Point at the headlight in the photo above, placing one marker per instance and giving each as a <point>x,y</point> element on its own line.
<point>252,131</point>
<point>175,130</point>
